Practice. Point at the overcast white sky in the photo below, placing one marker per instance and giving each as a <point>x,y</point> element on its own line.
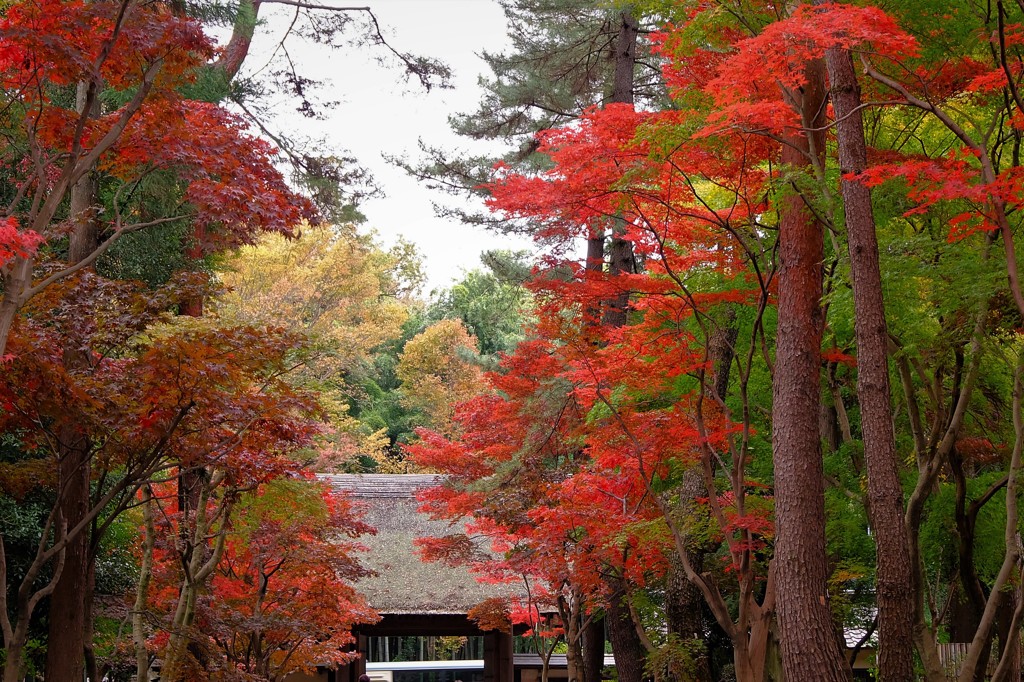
<point>379,113</point>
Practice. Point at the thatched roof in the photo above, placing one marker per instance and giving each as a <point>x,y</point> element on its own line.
<point>404,584</point>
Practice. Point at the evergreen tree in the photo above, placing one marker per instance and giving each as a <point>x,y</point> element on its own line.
<point>562,61</point>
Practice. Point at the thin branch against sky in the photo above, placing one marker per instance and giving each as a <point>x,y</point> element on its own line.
<point>378,113</point>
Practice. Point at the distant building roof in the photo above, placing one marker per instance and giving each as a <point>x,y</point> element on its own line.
<point>404,584</point>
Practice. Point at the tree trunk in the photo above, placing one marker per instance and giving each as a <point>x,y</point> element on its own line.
<point>620,261</point>
<point>15,279</point>
<point>1009,666</point>
<point>620,252</point>
<point>67,603</point>
<point>14,661</point>
<point>139,632</point>
<point>92,669</point>
<point>571,613</point>
<point>750,658</point>
<point>65,657</point>
<point>594,268</point>
<point>809,649</point>
<point>199,560</point>
<point>627,648</point>
<point>894,579</point>
<point>625,57</point>
<point>683,600</point>
<point>593,650</point>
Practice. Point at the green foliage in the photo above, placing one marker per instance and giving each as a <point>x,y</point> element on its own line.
<point>493,305</point>
<point>280,502</point>
<point>117,566</point>
<point>940,526</point>
<point>22,520</point>
<point>676,659</point>
<point>151,256</point>
<point>375,396</point>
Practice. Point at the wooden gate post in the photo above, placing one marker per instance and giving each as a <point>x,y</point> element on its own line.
<point>498,657</point>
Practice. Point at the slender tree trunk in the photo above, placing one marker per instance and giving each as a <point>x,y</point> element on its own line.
<point>1009,666</point>
<point>92,671</point>
<point>139,632</point>
<point>809,649</point>
<point>750,654</point>
<point>198,562</point>
<point>571,613</point>
<point>237,49</point>
<point>1008,634</point>
<point>894,579</point>
<point>14,283</point>
<point>1011,557</point>
<point>66,660</point>
<point>14,660</point>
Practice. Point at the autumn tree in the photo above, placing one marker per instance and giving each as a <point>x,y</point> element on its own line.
<point>895,579</point>
<point>566,56</point>
<point>250,441</point>
<point>141,57</point>
<point>704,197</point>
<point>438,370</point>
<point>145,52</point>
<point>540,522</point>
<point>613,374</point>
<point>281,597</point>
<point>978,203</point>
<point>345,295</point>
<point>800,564</point>
<point>111,131</point>
<point>142,409</point>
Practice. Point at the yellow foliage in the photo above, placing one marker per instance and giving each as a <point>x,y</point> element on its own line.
<point>390,464</point>
<point>341,292</point>
<point>328,283</point>
<point>438,370</point>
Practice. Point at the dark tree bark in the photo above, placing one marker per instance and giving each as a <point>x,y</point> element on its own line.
<point>894,574</point>
<point>620,261</point>
<point>620,252</point>
<point>65,657</point>
<point>593,649</point>
<point>93,672</point>
<point>809,649</point>
<point>627,647</point>
<point>684,603</point>
<point>595,268</point>
<point>625,58</point>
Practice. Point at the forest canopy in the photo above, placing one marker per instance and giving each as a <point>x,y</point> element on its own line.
<point>752,410</point>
